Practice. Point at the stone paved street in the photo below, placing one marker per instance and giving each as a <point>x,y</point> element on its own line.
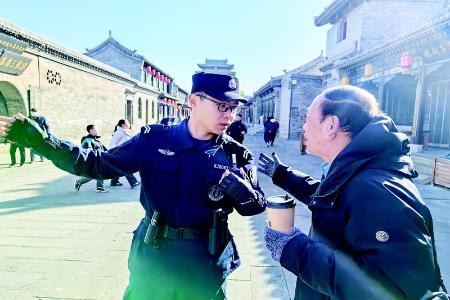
<point>56,243</point>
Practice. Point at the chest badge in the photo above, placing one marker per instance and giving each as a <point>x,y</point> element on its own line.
<point>382,236</point>
<point>166,152</point>
<point>215,193</point>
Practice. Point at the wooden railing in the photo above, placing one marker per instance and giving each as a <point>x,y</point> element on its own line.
<point>441,172</point>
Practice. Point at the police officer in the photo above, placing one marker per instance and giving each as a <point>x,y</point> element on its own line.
<point>237,129</point>
<point>192,177</point>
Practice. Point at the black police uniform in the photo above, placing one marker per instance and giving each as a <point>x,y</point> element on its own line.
<point>179,177</point>
<point>178,173</point>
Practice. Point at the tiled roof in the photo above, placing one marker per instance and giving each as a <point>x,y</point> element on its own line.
<point>117,45</point>
<point>43,44</point>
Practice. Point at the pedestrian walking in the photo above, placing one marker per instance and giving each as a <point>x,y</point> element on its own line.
<point>12,154</point>
<point>193,176</point>
<point>371,235</point>
<point>42,122</point>
<point>237,129</point>
<point>120,136</point>
<point>92,141</point>
<point>270,130</point>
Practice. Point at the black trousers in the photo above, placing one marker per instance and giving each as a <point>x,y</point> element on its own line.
<point>12,153</point>
<point>130,178</point>
<point>177,270</point>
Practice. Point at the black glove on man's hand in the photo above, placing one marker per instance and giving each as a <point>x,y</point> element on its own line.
<point>238,189</point>
<point>27,133</point>
<point>267,165</point>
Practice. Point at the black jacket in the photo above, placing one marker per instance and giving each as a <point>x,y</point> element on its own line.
<point>371,235</point>
<point>235,130</point>
<point>92,142</point>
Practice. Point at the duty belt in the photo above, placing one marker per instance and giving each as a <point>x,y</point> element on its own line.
<point>173,233</point>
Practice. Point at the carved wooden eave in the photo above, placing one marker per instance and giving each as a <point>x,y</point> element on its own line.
<point>419,37</point>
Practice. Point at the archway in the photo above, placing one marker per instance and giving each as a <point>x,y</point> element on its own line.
<point>11,101</point>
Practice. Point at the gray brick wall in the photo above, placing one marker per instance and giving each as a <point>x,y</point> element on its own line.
<point>83,97</point>
<point>375,22</point>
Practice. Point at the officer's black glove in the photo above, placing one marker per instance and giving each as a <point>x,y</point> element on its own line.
<point>27,133</point>
<point>267,165</point>
<point>239,190</point>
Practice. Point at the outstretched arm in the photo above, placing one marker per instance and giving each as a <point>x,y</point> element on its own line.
<point>68,156</point>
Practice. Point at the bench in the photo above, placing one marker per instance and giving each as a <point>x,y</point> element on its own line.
<point>441,172</point>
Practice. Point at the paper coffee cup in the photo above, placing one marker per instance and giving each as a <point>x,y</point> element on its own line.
<point>281,213</point>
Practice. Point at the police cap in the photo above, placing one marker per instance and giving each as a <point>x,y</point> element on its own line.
<point>219,86</point>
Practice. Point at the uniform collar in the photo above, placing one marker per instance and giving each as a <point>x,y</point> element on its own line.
<point>185,140</point>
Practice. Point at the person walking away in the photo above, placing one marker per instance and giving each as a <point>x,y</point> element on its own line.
<point>120,136</point>
<point>273,130</point>
<point>267,131</point>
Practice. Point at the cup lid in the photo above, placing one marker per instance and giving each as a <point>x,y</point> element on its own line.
<point>280,201</point>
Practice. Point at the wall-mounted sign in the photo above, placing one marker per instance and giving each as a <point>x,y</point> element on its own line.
<point>12,44</point>
<point>12,63</point>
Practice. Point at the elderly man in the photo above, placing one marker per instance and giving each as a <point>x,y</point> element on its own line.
<point>371,235</point>
<point>192,176</point>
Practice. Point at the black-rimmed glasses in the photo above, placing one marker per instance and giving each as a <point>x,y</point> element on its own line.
<point>222,107</point>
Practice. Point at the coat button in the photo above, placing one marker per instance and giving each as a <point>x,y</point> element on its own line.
<point>382,236</point>
<point>314,202</point>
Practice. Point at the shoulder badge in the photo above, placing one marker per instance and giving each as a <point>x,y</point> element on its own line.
<point>166,152</point>
<point>154,128</point>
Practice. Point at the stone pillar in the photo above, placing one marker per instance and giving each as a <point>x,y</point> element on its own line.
<point>417,127</point>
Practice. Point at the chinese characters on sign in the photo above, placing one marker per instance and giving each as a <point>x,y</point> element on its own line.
<point>11,60</point>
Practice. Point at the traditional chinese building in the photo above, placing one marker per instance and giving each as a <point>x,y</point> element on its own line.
<point>113,53</point>
<point>287,97</point>
<point>72,90</point>
<point>219,66</point>
<point>399,51</point>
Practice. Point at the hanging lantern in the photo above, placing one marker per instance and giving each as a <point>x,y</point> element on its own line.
<point>368,70</point>
<point>158,75</point>
<point>165,100</point>
<point>148,69</point>
<point>406,60</point>
<point>153,72</point>
<point>168,80</point>
<point>345,80</point>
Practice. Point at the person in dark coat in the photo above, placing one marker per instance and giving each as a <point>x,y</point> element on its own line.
<point>237,129</point>
<point>42,122</point>
<point>12,154</point>
<point>267,131</point>
<point>92,141</point>
<point>270,131</point>
<point>192,176</point>
<point>371,235</point>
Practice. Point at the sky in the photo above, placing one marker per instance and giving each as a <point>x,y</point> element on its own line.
<point>260,37</point>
